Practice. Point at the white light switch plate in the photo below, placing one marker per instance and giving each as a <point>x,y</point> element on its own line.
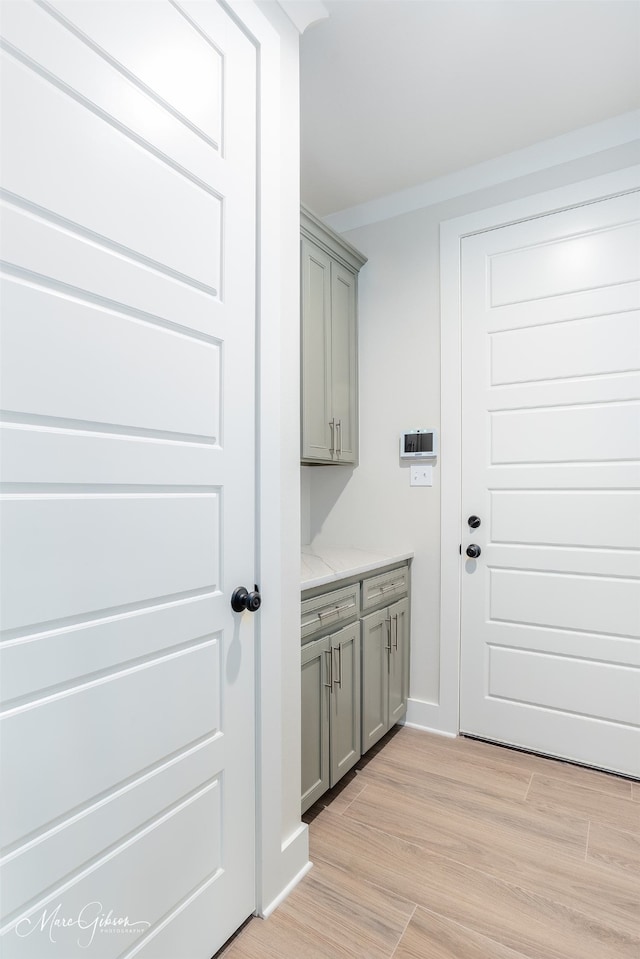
<point>421,475</point>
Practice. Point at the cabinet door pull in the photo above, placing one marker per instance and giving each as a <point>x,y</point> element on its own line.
<point>329,669</point>
<point>338,681</point>
<point>339,430</point>
<point>395,645</point>
<point>332,445</point>
<point>388,622</point>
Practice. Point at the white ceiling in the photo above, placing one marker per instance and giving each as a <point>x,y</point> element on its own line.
<point>397,92</point>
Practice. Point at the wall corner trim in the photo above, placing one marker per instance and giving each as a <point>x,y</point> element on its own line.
<point>583,142</point>
<point>303,13</point>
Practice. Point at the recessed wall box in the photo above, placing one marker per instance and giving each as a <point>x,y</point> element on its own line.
<point>419,445</point>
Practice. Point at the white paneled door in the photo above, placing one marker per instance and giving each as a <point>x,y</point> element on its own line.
<point>128,333</point>
<point>550,654</point>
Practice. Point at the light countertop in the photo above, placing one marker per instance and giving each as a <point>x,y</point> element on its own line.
<point>326,564</point>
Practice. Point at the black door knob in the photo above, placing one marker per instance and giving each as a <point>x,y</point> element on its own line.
<point>242,599</point>
<point>473,551</point>
<point>474,522</point>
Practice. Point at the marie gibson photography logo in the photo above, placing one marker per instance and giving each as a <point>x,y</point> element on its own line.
<point>92,919</point>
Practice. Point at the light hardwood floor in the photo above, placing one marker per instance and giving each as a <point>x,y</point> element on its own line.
<point>439,848</point>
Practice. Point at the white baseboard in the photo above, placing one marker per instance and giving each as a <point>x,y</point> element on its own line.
<point>429,729</point>
<point>265,913</point>
<point>292,862</point>
<point>430,716</point>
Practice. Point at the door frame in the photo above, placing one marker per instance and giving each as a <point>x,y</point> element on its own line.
<point>281,839</point>
<point>452,232</point>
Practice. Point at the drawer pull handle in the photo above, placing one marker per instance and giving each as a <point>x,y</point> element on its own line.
<point>385,589</point>
<point>336,609</point>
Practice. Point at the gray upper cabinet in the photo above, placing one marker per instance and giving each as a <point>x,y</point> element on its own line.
<point>329,362</point>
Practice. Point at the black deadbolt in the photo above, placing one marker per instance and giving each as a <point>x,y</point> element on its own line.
<point>473,551</point>
<point>474,522</point>
<point>242,599</point>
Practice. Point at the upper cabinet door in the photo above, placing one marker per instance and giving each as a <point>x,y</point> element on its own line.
<point>344,364</point>
<point>329,394</point>
<point>318,429</point>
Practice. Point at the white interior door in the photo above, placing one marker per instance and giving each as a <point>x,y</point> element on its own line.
<point>128,329</point>
<point>550,649</point>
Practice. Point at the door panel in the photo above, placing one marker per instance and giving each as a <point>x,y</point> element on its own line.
<point>345,701</point>
<point>570,518</point>
<point>78,387</point>
<point>559,434</point>
<point>551,434</point>
<point>569,263</point>
<point>589,346</point>
<point>138,540</point>
<point>375,677</point>
<point>316,679</point>
<point>94,150</point>
<point>128,377</point>
<point>398,666</point>
<point>317,426</point>
<point>344,361</point>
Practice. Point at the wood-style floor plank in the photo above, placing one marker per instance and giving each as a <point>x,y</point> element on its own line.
<point>340,797</point>
<point>544,766</point>
<point>524,920</point>
<point>280,937</point>
<point>556,796</point>
<point>429,935</point>
<point>479,809</point>
<point>416,758</point>
<point>435,848</point>
<point>615,848</point>
<point>513,848</point>
<point>355,916</point>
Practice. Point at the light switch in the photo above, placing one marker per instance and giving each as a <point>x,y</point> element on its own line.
<point>421,475</point>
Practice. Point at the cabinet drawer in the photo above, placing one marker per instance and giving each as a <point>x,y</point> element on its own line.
<point>386,587</point>
<point>329,611</point>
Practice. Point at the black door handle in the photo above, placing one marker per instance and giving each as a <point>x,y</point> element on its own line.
<point>473,551</point>
<point>242,599</point>
<point>474,522</point>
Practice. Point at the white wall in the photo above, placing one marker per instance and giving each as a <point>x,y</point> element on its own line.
<point>399,341</point>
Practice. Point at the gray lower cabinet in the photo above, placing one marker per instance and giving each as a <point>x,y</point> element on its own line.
<point>315,720</point>
<point>355,680</point>
<point>330,711</point>
<point>385,670</point>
